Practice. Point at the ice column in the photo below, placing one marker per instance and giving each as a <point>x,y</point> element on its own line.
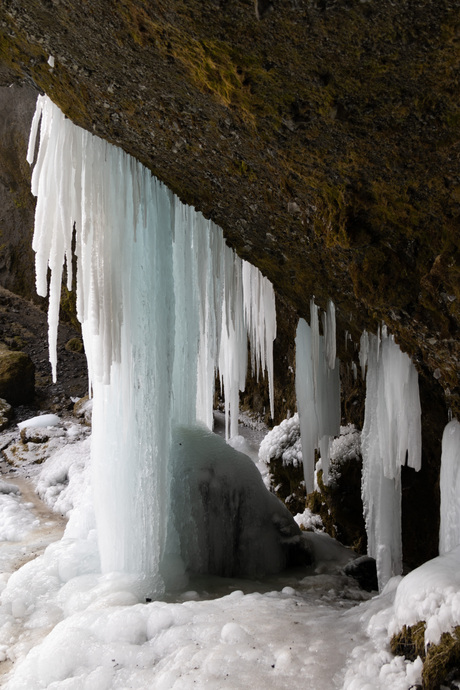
<point>449,532</point>
<point>164,304</point>
<point>317,390</point>
<point>391,437</point>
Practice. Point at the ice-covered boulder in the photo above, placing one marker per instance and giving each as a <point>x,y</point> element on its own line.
<point>228,523</point>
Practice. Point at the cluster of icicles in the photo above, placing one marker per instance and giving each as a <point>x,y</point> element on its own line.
<point>164,304</point>
<point>216,300</point>
<point>391,435</point>
<point>317,389</point>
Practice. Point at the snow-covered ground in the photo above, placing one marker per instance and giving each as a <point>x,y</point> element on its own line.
<point>65,625</point>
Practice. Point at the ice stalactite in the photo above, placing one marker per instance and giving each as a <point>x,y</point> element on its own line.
<point>449,531</point>
<point>391,437</point>
<point>163,303</point>
<point>317,390</point>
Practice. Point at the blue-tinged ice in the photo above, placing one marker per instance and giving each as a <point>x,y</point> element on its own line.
<point>164,304</point>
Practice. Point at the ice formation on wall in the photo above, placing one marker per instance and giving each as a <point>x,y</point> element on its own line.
<point>317,389</point>
<point>163,304</point>
<point>449,531</point>
<point>391,437</point>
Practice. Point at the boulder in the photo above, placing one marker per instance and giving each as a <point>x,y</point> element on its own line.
<point>227,521</point>
<point>364,570</point>
<point>17,377</point>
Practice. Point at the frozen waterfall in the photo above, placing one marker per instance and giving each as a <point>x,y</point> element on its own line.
<point>391,437</point>
<point>164,304</point>
<point>449,531</point>
<point>317,389</point>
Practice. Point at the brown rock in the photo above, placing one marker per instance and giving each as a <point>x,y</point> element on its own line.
<point>17,377</point>
<point>6,412</point>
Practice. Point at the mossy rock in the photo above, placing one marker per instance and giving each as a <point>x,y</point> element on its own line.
<point>410,641</point>
<point>35,435</point>
<point>441,662</point>
<point>17,377</point>
<point>289,484</point>
<point>75,345</point>
<point>340,506</point>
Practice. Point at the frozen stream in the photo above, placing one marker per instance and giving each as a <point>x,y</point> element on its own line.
<point>65,626</point>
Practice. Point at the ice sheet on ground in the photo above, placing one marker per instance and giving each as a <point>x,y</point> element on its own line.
<point>64,479</point>
<point>16,518</point>
<point>84,629</point>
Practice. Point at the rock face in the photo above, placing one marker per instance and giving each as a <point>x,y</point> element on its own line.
<point>17,205</point>
<point>23,329</point>
<point>321,135</point>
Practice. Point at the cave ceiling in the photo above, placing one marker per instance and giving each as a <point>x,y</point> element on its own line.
<point>322,136</point>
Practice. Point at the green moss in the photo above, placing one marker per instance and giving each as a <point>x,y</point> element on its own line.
<point>410,641</point>
<point>75,345</point>
<point>441,662</point>
<point>242,169</point>
<point>340,507</point>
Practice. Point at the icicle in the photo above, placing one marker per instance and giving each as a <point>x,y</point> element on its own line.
<point>330,334</point>
<point>364,353</point>
<point>163,303</point>
<point>354,370</point>
<point>391,432</point>
<point>449,531</point>
<point>314,325</point>
<point>325,452</point>
<point>34,130</point>
<point>260,314</point>
<point>305,393</point>
<point>318,393</point>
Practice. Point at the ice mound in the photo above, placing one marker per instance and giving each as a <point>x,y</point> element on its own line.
<point>43,420</point>
<point>228,522</point>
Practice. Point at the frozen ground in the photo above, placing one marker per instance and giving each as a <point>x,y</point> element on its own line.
<point>64,625</point>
